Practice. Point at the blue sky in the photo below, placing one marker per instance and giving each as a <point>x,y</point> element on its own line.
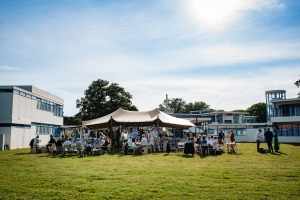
<point>226,53</point>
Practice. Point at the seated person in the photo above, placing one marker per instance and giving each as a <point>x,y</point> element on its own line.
<point>220,141</point>
<point>214,142</point>
<point>204,142</point>
<point>68,142</point>
<point>130,143</point>
<point>59,145</point>
<point>78,142</point>
<point>102,141</point>
<point>52,141</point>
<point>197,143</point>
<point>138,139</point>
<point>106,144</point>
<point>144,143</point>
<point>209,141</point>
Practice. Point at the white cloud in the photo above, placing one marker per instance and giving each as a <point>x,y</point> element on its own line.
<point>7,68</point>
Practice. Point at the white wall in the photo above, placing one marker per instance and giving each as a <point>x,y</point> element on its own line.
<point>289,139</point>
<point>249,137</point>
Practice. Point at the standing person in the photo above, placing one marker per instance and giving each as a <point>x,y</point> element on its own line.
<point>151,139</point>
<point>228,140</point>
<point>134,135</point>
<point>73,136</point>
<point>221,135</point>
<point>157,138</point>
<point>276,144</point>
<point>77,135</point>
<point>269,138</point>
<point>258,138</point>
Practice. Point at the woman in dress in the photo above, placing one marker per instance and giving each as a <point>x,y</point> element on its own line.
<point>151,139</point>
<point>228,139</point>
<point>276,145</point>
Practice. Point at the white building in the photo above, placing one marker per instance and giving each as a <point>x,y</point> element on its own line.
<point>27,111</point>
<point>284,114</point>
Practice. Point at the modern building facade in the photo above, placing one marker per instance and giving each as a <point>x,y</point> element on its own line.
<point>243,126</point>
<point>27,111</point>
<point>284,114</point>
<point>281,113</point>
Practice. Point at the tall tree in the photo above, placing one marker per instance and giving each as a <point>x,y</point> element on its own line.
<point>72,120</point>
<point>198,105</point>
<point>259,110</point>
<point>175,105</point>
<point>297,83</point>
<point>101,99</point>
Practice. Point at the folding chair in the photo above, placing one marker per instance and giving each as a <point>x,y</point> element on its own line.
<point>67,148</point>
<point>204,146</point>
<point>180,146</point>
<point>79,150</point>
<point>131,148</point>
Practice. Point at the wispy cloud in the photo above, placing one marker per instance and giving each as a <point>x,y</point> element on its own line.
<point>7,68</point>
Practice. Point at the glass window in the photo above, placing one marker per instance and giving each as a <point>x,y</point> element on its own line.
<point>22,94</point>
<point>16,92</point>
<point>33,97</point>
<point>28,95</point>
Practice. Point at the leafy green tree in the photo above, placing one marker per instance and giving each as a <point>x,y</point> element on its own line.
<point>198,105</point>
<point>239,110</point>
<point>259,110</point>
<point>72,120</point>
<point>297,83</point>
<point>175,105</point>
<point>100,99</point>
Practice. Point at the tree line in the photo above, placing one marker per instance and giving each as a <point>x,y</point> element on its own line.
<point>102,98</point>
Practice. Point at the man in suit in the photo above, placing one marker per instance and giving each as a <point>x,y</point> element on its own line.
<point>269,138</point>
<point>221,134</point>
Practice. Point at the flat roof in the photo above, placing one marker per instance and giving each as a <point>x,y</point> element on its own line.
<point>285,100</point>
<point>275,91</point>
<point>35,92</point>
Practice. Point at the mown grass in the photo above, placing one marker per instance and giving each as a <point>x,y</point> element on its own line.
<point>248,175</point>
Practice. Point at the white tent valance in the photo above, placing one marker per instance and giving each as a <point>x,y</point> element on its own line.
<point>136,118</point>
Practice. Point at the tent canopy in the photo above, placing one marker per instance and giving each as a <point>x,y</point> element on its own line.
<point>135,118</point>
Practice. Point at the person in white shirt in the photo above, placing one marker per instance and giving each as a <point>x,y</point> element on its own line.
<point>85,135</point>
<point>78,142</point>
<point>209,141</point>
<point>214,142</point>
<point>102,141</point>
<point>144,141</point>
<point>68,142</point>
<point>258,138</point>
<point>130,143</point>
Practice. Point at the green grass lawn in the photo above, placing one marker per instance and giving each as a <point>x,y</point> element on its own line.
<point>248,175</point>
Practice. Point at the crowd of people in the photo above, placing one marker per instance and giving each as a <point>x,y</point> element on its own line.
<point>259,136</point>
<point>137,139</point>
<point>215,142</point>
<point>87,141</point>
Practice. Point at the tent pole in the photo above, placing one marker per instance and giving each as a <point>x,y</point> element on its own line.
<point>111,136</point>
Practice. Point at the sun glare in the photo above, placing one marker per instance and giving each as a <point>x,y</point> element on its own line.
<point>215,14</point>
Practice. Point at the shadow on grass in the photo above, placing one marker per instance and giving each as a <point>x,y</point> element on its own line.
<point>279,154</point>
<point>186,155</point>
<point>294,144</point>
<point>20,154</point>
